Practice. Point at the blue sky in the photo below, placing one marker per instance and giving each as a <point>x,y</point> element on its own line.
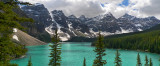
<point>125,2</point>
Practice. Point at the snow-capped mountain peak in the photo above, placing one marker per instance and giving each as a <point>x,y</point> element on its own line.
<point>71,26</point>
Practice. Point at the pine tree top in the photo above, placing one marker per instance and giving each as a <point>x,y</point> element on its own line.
<point>138,60</point>
<point>29,62</point>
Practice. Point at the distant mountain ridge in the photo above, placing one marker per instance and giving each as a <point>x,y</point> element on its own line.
<point>71,26</point>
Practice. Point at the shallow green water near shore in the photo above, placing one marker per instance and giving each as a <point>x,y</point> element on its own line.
<point>74,53</point>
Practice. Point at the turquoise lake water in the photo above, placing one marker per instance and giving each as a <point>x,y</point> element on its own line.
<point>74,53</point>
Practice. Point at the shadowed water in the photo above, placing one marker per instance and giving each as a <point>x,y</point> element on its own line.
<point>74,53</point>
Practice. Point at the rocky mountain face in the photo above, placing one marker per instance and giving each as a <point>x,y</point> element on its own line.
<point>109,24</point>
<point>42,19</point>
<point>72,26</point>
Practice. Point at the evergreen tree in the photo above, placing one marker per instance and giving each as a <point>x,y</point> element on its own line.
<point>84,62</point>
<point>159,61</point>
<point>118,59</point>
<point>145,41</point>
<point>9,20</point>
<point>55,51</point>
<point>7,64</point>
<point>138,60</point>
<point>150,62</point>
<point>146,59</point>
<point>99,49</point>
<point>29,62</point>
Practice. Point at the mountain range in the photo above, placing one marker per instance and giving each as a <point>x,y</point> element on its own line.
<point>71,26</point>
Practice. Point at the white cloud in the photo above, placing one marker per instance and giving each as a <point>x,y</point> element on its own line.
<point>138,8</point>
<point>135,7</point>
<point>153,9</point>
<point>145,8</point>
<point>90,8</point>
<point>139,3</point>
<point>116,10</point>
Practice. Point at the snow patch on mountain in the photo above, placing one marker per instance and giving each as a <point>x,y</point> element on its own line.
<point>65,37</point>
<point>58,26</point>
<point>14,30</point>
<point>70,27</point>
<point>118,32</point>
<point>126,31</point>
<point>74,33</point>
<point>140,29</point>
<point>93,32</point>
<point>49,29</point>
<point>15,37</point>
<point>138,25</point>
<point>106,33</point>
